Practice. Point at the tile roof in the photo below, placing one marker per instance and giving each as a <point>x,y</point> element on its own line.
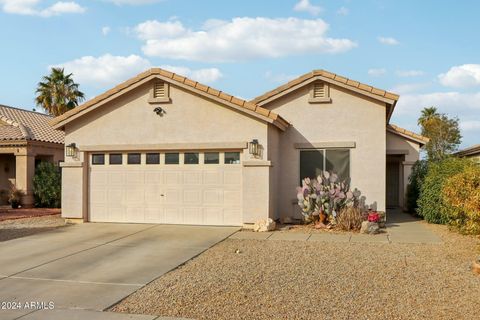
<point>174,78</point>
<point>331,77</point>
<point>404,132</point>
<point>20,124</point>
<point>472,150</point>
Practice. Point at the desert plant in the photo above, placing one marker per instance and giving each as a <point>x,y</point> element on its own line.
<point>47,186</point>
<point>415,181</point>
<point>15,197</point>
<point>350,218</point>
<point>326,195</point>
<point>430,202</point>
<point>461,197</point>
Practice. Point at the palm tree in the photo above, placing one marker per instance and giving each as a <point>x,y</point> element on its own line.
<point>428,114</point>
<point>57,93</point>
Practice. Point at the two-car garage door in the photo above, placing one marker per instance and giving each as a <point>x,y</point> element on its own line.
<point>203,188</point>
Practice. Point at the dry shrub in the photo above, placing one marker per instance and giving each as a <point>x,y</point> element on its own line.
<point>461,196</point>
<point>350,218</point>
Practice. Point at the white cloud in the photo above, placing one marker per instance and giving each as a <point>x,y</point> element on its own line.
<point>108,70</point>
<point>207,75</point>
<point>133,2</point>
<point>377,72</point>
<point>463,76</point>
<point>239,39</point>
<point>104,70</point>
<point>106,30</point>
<point>470,125</point>
<point>343,11</point>
<point>388,41</point>
<point>306,6</point>
<point>410,73</point>
<point>31,7</point>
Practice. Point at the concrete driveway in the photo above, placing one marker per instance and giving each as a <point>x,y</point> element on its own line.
<point>92,266</point>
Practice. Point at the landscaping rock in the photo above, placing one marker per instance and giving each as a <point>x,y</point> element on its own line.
<point>476,266</point>
<point>264,225</point>
<point>369,227</point>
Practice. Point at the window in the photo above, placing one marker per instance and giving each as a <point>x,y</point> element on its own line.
<point>232,157</point>
<point>133,158</point>
<point>153,158</point>
<point>191,158</point>
<point>212,158</point>
<point>115,158</point>
<point>338,161</point>
<point>98,158</point>
<point>313,162</point>
<point>171,158</point>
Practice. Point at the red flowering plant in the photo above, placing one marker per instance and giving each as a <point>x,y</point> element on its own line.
<point>373,216</point>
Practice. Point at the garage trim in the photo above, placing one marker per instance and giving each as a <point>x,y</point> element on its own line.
<point>167,146</point>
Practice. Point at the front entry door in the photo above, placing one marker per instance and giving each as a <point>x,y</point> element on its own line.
<point>393,182</point>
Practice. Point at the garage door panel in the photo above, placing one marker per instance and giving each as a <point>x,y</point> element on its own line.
<point>193,215</point>
<point>174,194</point>
<point>213,177</point>
<point>213,197</point>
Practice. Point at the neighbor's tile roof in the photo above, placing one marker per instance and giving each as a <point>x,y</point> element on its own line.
<point>333,78</point>
<point>174,78</point>
<point>472,150</point>
<point>20,124</point>
<point>416,137</point>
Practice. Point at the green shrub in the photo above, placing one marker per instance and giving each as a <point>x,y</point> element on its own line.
<point>430,204</point>
<point>419,171</point>
<point>47,186</point>
<point>461,196</point>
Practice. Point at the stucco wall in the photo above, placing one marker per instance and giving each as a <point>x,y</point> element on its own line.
<point>348,118</point>
<point>189,119</point>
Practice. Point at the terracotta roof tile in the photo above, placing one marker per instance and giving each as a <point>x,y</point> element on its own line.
<point>20,124</point>
<point>396,129</point>
<point>174,78</point>
<point>327,75</point>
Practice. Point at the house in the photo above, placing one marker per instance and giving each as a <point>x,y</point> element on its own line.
<point>472,152</point>
<point>26,139</point>
<point>161,148</point>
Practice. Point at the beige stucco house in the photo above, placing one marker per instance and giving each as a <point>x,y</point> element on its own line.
<point>161,148</point>
<point>472,152</point>
<point>26,138</point>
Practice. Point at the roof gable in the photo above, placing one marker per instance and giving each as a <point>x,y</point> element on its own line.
<point>390,99</point>
<point>178,80</point>
<point>412,136</point>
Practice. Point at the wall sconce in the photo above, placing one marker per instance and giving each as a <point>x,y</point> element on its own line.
<point>254,148</point>
<point>71,150</point>
<point>159,111</point>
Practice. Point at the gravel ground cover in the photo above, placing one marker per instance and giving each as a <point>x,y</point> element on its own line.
<point>9,213</point>
<point>17,228</point>
<point>315,280</point>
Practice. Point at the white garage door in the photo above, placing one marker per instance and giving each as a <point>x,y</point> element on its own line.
<point>203,188</point>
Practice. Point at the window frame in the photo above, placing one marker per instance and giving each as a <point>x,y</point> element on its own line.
<point>115,154</point>
<point>324,151</point>
<point>210,152</point>
<point>103,159</point>
<point>191,163</point>
<point>178,158</point>
<point>152,153</point>
<point>225,157</point>
<point>134,154</point>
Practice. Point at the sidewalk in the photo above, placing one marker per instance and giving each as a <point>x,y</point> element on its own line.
<point>401,228</point>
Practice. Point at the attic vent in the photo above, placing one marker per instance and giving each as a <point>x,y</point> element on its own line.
<point>159,90</point>
<point>159,93</point>
<point>319,90</point>
<point>320,93</point>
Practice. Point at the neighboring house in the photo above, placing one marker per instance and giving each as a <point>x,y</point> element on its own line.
<point>472,152</point>
<point>161,148</point>
<point>26,138</point>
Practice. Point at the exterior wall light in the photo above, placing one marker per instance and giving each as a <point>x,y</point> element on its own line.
<point>254,148</point>
<point>71,150</point>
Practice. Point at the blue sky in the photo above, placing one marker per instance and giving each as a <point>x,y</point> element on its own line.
<point>426,51</point>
